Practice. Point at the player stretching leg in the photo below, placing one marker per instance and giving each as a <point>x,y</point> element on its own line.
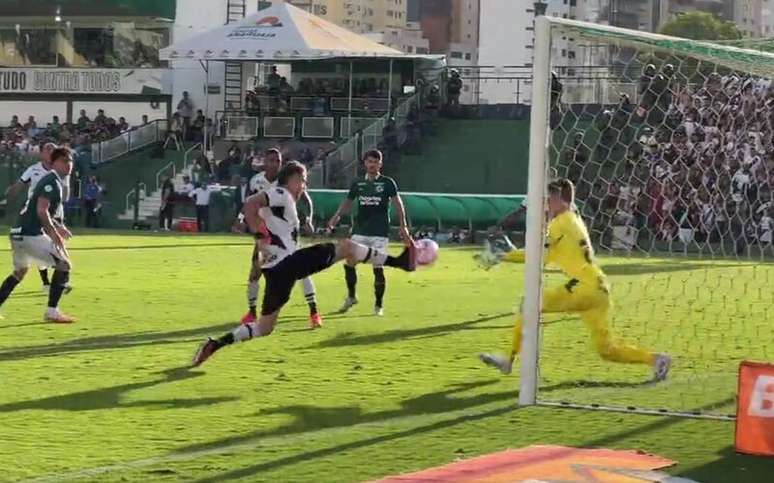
<point>260,183</point>
<point>284,264</point>
<point>586,293</point>
<point>372,223</point>
<point>37,238</point>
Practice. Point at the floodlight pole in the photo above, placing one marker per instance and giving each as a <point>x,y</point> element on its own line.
<point>349,108</point>
<point>389,91</point>
<point>538,164</point>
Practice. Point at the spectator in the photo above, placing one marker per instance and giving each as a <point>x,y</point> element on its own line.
<point>197,127</point>
<point>91,199</point>
<point>185,111</point>
<point>122,125</point>
<point>167,208</point>
<point>453,88</point>
<point>202,195</point>
<point>101,119</point>
<point>83,120</point>
<point>175,132</point>
<point>187,187</point>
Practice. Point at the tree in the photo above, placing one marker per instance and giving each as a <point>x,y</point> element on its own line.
<point>697,25</point>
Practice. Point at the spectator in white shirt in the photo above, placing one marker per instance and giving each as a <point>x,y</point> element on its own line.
<point>187,187</point>
<point>202,195</point>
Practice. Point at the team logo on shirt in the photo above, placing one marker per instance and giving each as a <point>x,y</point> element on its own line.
<point>380,188</point>
<point>48,188</point>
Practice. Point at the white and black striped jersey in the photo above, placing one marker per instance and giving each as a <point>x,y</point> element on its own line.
<point>32,175</point>
<point>259,183</point>
<point>35,173</point>
<point>282,225</point>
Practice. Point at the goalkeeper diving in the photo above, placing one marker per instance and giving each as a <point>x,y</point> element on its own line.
<point>587,292</point>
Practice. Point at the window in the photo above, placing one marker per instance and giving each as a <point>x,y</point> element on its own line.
<point>467,55</point>
<point>456,55</point>
<point>571,54</point>
<point>564,52</point>
<point>409,49</point>
<point>573,3</point>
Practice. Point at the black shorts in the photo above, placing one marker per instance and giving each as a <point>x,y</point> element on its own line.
<point>301,264</point>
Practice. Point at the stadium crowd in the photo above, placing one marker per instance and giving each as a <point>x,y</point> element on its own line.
<point>688,162</point>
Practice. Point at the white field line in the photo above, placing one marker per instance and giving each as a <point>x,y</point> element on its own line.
<point>258,442</point>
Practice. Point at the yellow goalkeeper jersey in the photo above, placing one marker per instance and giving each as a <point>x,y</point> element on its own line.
<point>568,247</point>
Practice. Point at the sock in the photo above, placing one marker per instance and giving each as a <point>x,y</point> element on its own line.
<point>380,285</point>
<point>58,283</point>
<point>44,276</point>
<point>369,255</point>
<point>350,275</point>
<point>9,284</point>
<point>240,334</point>
<point>252,294</point>
<point>311,297</point>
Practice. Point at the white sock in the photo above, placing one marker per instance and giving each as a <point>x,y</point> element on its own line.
<point>252,292</point>
<point>246,332</point>
<point>309,290</point>
<point>369,255</point>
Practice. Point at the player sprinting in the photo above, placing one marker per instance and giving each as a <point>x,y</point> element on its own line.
<point>29,179</point>
<point>38,238</point>
<point>586,293</point>
<point>260,183</point>
<point>284,263</point>
<point>373,195</point>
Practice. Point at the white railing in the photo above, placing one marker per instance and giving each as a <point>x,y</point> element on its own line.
<point>372,134</point>
<point>341,165</point>
<point>128,141</point>
<point>138,196</point>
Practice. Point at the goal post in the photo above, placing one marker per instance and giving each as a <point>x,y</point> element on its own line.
<point>670,143</point>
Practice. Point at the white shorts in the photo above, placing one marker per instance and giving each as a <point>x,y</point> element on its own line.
<point>37,250</point>
<point>376,242</point>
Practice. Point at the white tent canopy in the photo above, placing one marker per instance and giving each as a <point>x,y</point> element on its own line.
<point>280,33</point>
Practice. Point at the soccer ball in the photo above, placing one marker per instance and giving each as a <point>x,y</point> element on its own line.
<point>427,252</point>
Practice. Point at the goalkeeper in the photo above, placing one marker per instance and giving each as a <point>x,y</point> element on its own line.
<point>586,293</point>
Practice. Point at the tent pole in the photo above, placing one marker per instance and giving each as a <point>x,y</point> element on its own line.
<point>349,109</point>
<point>205,131</point>
<point>389,91</point>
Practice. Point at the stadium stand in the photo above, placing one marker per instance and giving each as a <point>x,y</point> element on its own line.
<point>689,163</point>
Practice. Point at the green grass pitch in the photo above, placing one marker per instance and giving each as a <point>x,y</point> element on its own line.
<point>109,398</point>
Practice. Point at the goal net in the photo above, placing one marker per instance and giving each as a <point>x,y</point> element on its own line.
<point>670,144</point>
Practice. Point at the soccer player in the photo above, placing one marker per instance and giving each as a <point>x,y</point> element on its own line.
<point>260,183</point>
<point>38,238</point>
<point>284,263</point>
<point>373,195</point>
<point>29,179</point>
<point>586,293</point>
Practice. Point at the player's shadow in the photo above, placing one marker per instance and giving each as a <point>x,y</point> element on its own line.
<point>311,418</point>
<point>660,267</point>
<point>112,397</point>
<point>346,339</point>
<point>119,341</point>
<point>306,457</point>
<point>729,465</point>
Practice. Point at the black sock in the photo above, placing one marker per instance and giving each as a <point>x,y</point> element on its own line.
<point>253,312</point>
<point>312,308</point>
<point>44,276</point>
<point>9,284</point>
<point>350,275</point>
<point>227,339</point>
<point>58,283</point>
<point>380,285</point>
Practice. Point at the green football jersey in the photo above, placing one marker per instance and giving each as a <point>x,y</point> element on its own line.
<point>372,199</point>
<point>28,223</point>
